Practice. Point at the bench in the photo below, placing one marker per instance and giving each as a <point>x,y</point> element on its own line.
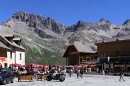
<point>25,77</point>
<point>41,76</point>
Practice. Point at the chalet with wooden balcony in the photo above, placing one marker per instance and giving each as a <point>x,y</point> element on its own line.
<point>114,53</point>
<point>81,53</point>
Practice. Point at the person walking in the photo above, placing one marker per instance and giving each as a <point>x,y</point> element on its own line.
<point>103,72</point>
<point>70,72</point>
<point>81,72</point>
<point>121,75</point>
<point>78,73</point>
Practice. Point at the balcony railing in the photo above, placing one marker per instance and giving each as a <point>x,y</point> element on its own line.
<point>115,59</point>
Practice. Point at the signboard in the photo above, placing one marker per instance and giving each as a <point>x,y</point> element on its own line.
<point>73,53</point>
<point>118,65</point>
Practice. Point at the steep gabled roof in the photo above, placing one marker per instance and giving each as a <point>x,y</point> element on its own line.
<point>12,43</point>
<point>2,45</point>
<point>85,47</point>
<point>81,48</point>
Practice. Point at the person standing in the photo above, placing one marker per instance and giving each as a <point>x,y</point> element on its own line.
<point>49,67</point>
<point>121,75</point>
<point>81,72</point>
<point>103,72</point>
<point>1,66</point>
<point>78,73</point>
<point>70,72</point>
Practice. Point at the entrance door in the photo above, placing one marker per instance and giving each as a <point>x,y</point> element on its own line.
<point>5,65</point>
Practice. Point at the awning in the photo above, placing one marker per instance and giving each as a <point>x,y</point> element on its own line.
<point>92,65</point>
<point>2,58</point>
<point>70,66</point>
<point>31,65</point>
<point>16,65</point>
<point>128,65</point>
<point>39,65</point>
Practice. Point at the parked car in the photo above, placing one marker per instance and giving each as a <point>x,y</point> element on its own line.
<point>6,76</point>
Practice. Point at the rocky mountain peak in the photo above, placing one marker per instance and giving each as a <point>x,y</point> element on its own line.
<point>103,21</point>
<point>25,17</point>
<point>38,22</point>
<point>19,13</point>
<point>126,22</point>
<point>80,23</point>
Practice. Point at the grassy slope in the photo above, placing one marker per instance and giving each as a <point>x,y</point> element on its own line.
<point>45,57</point>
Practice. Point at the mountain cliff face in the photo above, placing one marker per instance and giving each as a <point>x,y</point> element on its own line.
<point>46,40</point>
<point>38,22</point>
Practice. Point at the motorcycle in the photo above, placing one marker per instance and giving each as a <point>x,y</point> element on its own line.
<point>53,76</point>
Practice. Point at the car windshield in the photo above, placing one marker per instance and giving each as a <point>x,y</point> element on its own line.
<point>2,70</point>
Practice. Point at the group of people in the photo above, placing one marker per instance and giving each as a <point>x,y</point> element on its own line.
<point>34,71</point>
<point>78,71</point>
<point>81,71</point>
<point>56,69</point>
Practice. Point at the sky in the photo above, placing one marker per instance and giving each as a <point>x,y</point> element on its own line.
<point>69,12</point>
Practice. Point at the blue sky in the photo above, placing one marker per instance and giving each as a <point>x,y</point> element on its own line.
<point>68,12</point>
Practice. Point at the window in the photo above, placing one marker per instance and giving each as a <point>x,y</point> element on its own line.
<point>94,57</point>
<point>105,54</point>
<point>10,55</point>
<point>93,48</point>
<point>84,58</point>
<point>20,56</point>
<point>88,59</point>
<point>117,52</point>
<point>81,59</point>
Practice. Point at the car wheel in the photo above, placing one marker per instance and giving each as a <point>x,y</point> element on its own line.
<point>4,82</point>
<point>12,80</point>
<point>8,81</point>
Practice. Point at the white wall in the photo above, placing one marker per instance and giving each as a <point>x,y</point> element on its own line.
<point>22,61</point>
<point>15,58</point>
<point>9,59</point>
